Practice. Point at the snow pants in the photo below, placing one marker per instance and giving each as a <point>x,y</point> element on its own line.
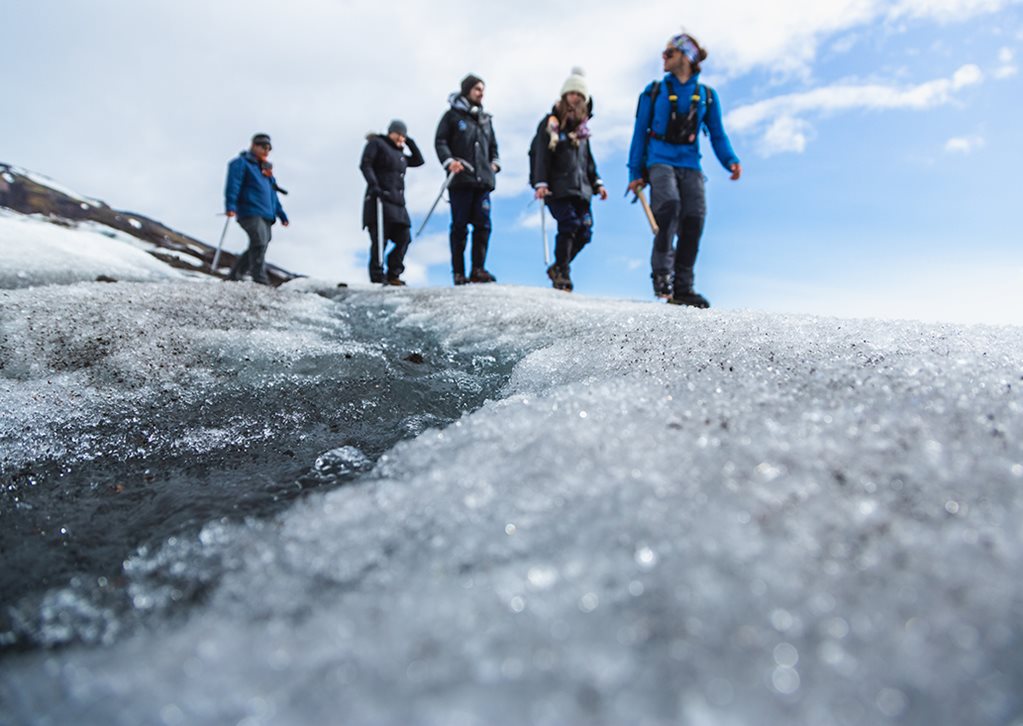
<point>469,205</point>
<point>401,236</point>
<point>575,228</point>
<point>679,205</point>
<point>253,260</point>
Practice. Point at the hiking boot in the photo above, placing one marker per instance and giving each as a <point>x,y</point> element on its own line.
<point>395,281</point>
<point>559,278</point>
<point>481,275</point>
<point>662,285</point>
<point>691,298</point>
<point>460,278</point>
<point>377,279</point>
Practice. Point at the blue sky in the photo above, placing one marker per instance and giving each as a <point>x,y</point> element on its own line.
<point>878,139</point>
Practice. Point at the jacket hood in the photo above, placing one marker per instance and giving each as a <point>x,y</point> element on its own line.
<point>461,103</point>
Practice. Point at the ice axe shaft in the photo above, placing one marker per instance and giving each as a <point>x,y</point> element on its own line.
<point>543,229</point>
<point>443,188</point>
<point>220,246</point>
<point>380,231</point>
<point>649,213</point>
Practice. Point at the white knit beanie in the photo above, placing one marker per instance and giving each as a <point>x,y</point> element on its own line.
<point>577,82</point>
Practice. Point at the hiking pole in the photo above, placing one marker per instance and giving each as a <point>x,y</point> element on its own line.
<point>220,245</point>
<point>443,188</point>
<point>381,242</point>
<point>543,230</point>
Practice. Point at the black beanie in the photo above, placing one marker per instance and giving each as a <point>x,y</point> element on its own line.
<point>261,139</point>
<point>469,82</point>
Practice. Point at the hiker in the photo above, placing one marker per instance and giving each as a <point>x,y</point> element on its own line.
<point>251,195</point>
<point>383,165</point>
<point>467,148</point>
<point>665,153</point>
<point>564,175</point>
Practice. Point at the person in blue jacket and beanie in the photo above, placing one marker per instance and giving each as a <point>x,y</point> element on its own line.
<point>250,195</point>
<point>665,153</point>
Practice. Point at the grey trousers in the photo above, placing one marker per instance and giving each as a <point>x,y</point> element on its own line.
<point>679,205</point>
<point>254,258</point>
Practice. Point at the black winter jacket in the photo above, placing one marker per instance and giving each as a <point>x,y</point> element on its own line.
<point>383,165</point>
<point>568,171</point>
<point>466,132</point>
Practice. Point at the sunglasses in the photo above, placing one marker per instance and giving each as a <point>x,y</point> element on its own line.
<point>265,146</point>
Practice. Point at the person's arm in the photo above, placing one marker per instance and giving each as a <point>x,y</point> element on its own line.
<point>718,138</point>
<point>369,157</point>
<point>416,157</point>
<point>233,186</point>
<point>278,209</point>
<point>441,143</point>
<point>591,171</point>
<point>539,162</point>
<point>637,150</point>
<point>495,158</point>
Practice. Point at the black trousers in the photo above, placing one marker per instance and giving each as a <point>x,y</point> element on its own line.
<point>575,228</point>
<point>469,205</point>
<point>401,236</point>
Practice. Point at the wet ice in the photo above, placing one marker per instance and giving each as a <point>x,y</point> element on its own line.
<point>664,516</point>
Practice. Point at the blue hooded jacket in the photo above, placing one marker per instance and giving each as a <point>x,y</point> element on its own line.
<point>677,155</point>
<point>250,194</point>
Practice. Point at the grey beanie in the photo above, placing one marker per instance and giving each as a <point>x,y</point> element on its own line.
<point>398,127</point>
<point>468,83</point>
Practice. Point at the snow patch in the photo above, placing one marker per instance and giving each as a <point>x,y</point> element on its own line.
<point>34,252</point>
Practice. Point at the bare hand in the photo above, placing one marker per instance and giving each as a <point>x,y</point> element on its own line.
<point>231,214</point>
<point>495,168</point>
<point>602,193</point>
<point>285,223</point>
<point>456,167</point>
<point>736,171</point>
<point>541,192</point>
<point>636,186</point>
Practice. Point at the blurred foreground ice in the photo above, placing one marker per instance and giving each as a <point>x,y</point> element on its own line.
<point>670,516</point>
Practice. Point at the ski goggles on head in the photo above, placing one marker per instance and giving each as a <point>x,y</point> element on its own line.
<point>685,45</point>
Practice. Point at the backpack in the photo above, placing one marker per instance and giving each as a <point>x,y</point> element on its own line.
<point>682,130</point>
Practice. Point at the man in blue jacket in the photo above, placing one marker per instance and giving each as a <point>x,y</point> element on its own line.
<point>665,152</point>
<point>251,195</point>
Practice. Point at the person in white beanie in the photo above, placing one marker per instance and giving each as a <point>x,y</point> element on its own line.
<point>564,174</point>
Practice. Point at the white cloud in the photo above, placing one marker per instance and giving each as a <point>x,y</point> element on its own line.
<point>164,111</point>
<point>1008,68</point>
<point>964,144</point>
<point>785,134</point>
<point>530,219</point>
<point>945,10</point>
<point>782,115</point>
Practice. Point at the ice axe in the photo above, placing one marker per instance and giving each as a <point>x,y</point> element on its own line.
<point>543,230</point>
<point>220,245</point>
<point>381,241</point>
<point>444,186</point>
<point>641,197</point>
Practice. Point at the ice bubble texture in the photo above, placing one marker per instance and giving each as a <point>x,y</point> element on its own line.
<point>668,516</point>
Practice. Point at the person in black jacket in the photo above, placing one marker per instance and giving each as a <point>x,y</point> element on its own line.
<point>383,165</point>
<point>466,134</point>
<point>564,174</point>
